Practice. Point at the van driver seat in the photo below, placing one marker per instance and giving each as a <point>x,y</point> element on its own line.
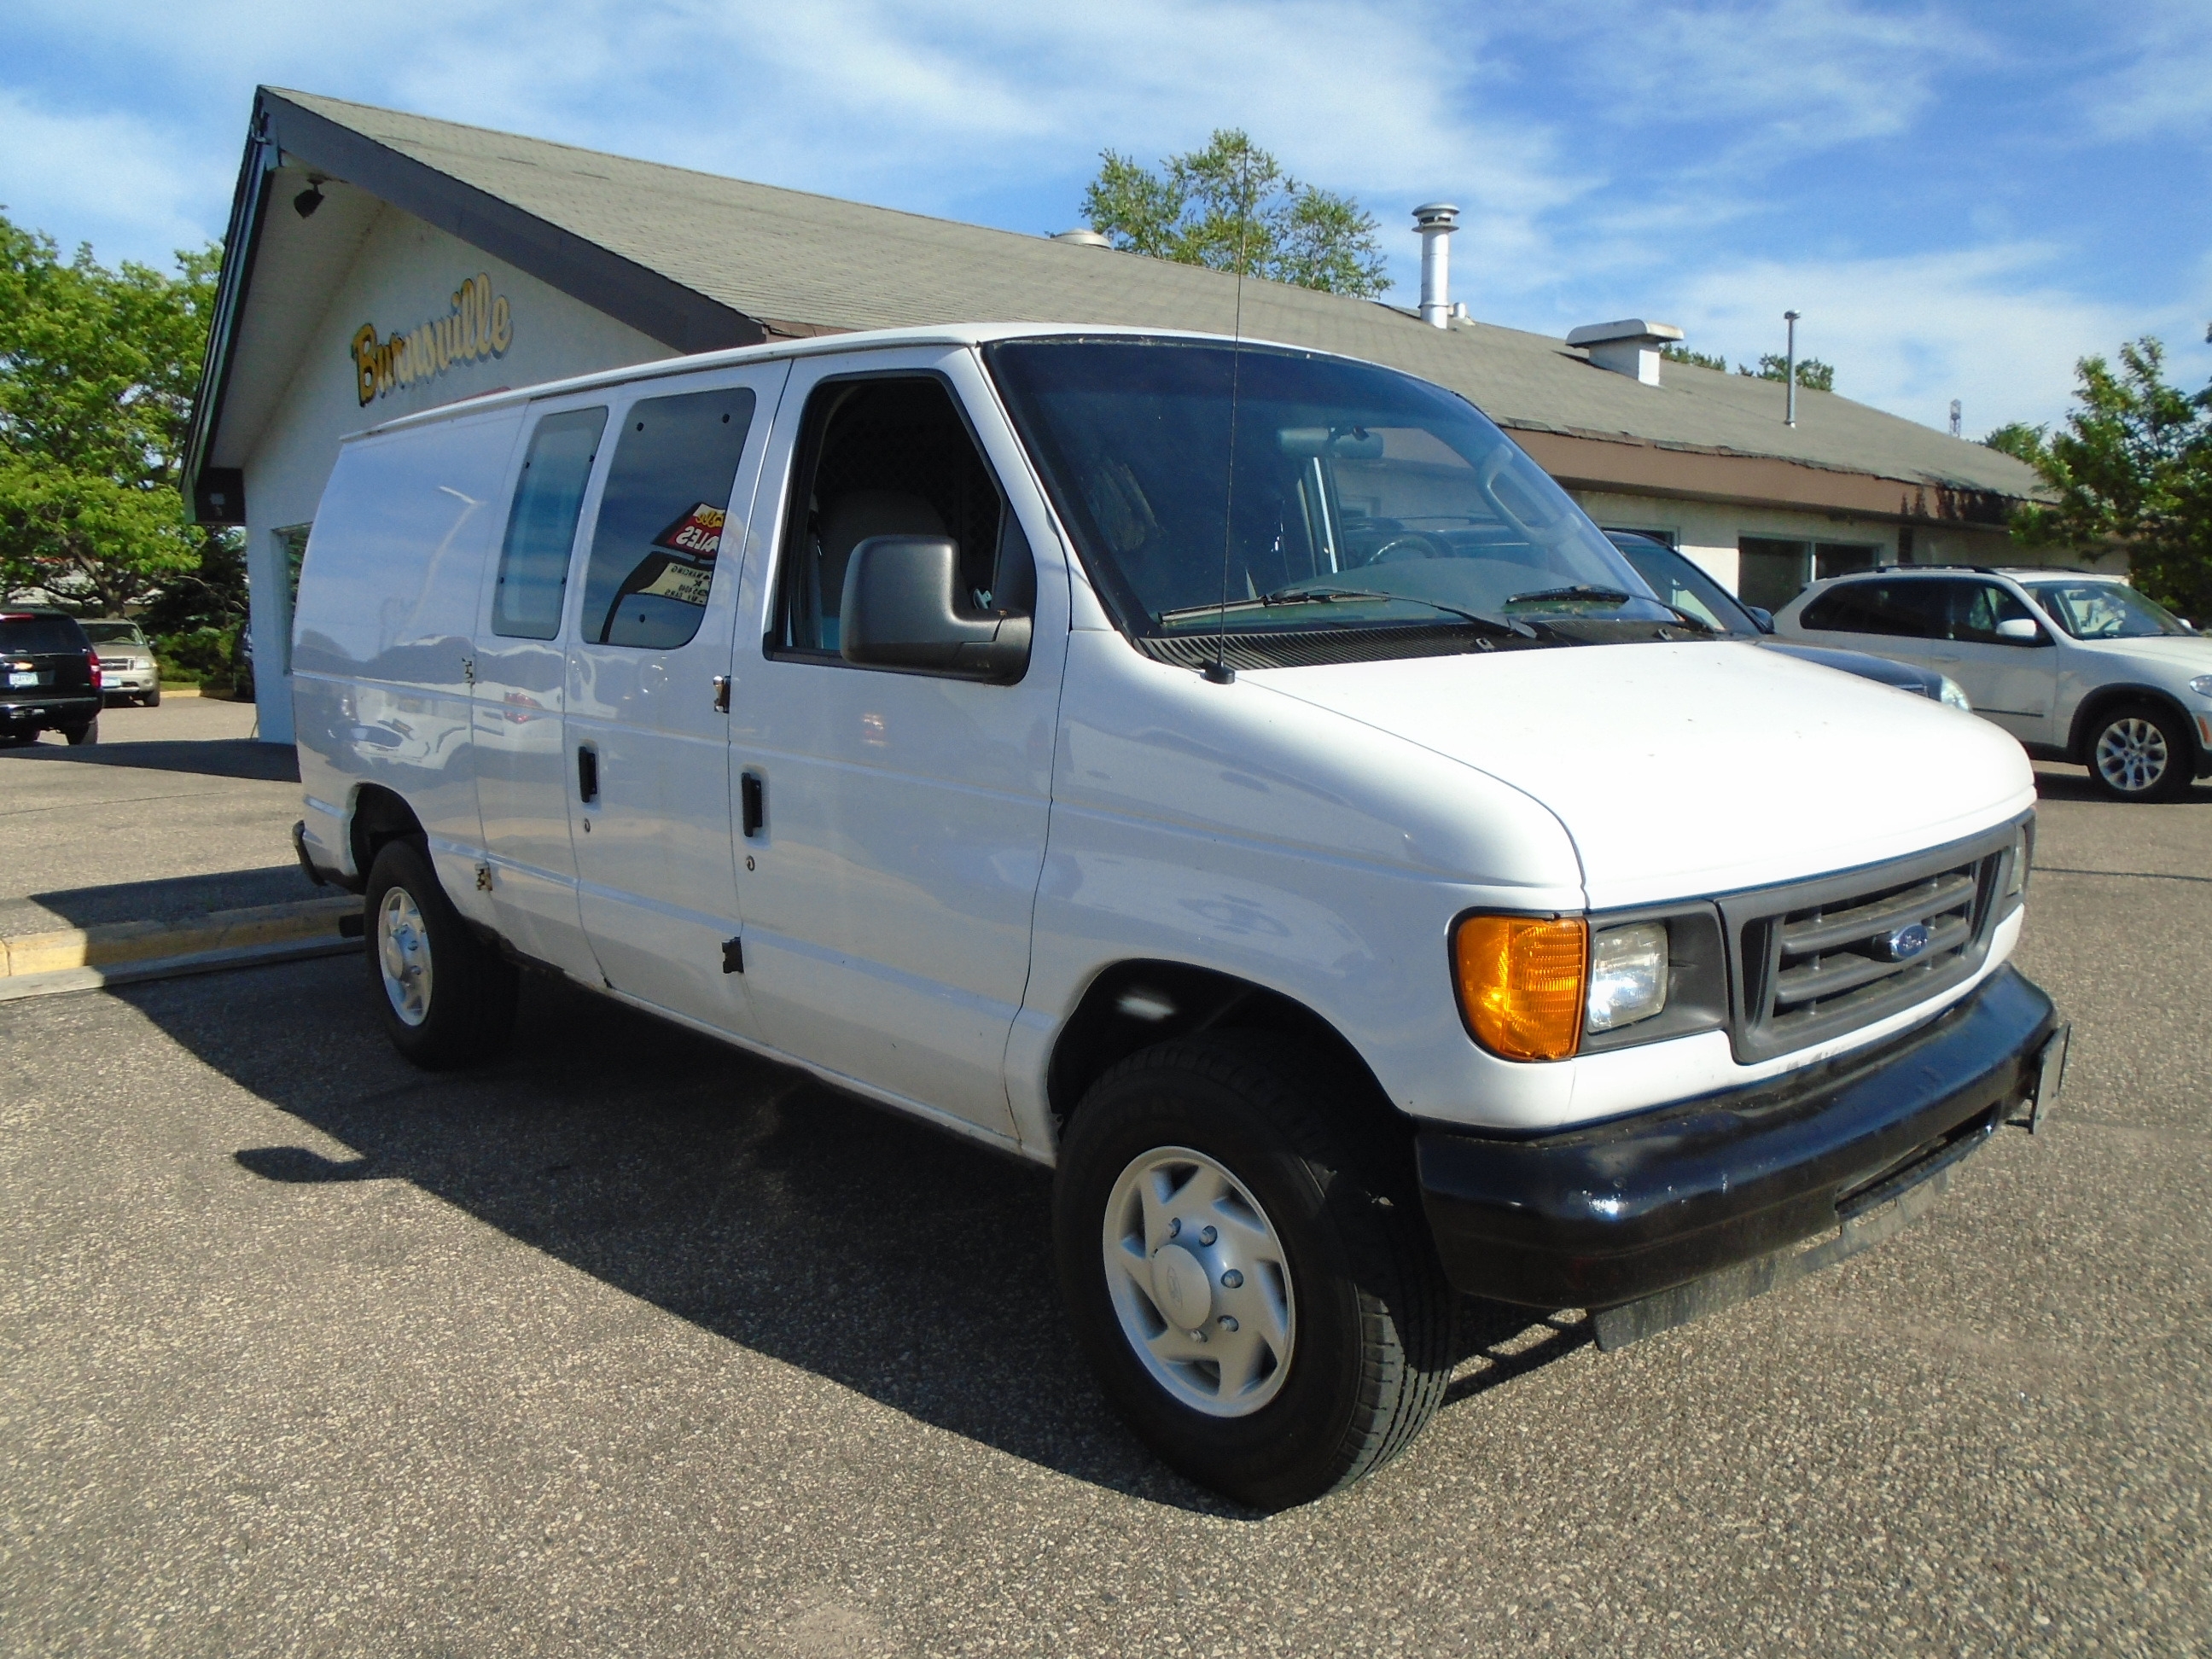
<point>845,522</point>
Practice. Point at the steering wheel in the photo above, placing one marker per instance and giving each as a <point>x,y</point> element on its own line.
<point>1405,544</point>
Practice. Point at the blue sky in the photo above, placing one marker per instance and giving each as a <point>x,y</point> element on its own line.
<point>1961,199</point>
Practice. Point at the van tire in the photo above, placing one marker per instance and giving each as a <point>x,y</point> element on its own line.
<point>2140,751</point>
<point>417,939</point>
<point>1370,1330</point>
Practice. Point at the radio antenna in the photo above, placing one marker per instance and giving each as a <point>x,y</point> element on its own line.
<point>1218,671</point>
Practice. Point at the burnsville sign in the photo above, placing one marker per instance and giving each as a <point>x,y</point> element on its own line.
<point>478,326</point>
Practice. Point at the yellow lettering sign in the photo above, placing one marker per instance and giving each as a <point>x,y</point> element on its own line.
<point>477,324</point>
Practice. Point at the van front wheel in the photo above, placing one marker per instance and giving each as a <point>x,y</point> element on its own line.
<point>445,998</point>
<point>1245,1272</point>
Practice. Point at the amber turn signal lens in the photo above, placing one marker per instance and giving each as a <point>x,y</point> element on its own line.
<point>1521,983</point>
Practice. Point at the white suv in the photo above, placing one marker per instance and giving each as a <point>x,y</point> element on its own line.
<point>2078,668</point>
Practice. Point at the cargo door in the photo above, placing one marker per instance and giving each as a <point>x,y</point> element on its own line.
<point>521,760</point>
<point>648,693</point>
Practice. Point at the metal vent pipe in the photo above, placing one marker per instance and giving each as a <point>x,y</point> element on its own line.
<point>1434,223</point>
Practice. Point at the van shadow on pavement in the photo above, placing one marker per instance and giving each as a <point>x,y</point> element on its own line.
<point>895,1261</point>
<point>214,757</point>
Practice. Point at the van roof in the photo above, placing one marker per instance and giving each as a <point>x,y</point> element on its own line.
<point>957,334</point>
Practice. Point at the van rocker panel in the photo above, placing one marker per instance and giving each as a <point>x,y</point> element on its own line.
<point>1608,1215</point>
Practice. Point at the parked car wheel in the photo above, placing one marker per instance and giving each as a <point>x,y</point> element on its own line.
<point>80,735</point>
<point>1262,1309</point>
<point>2140,752</point>
<point>446,999</point>
<point>152,699</point>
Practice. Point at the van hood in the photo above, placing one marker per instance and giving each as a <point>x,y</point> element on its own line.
<point>1691,768</point>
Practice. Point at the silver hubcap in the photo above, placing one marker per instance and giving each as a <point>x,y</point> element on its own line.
<point>403,952</point>
<point>1200,1282</point>
<point>2131,756</point>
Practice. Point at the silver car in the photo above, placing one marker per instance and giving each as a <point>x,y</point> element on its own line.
<point>128,672</point>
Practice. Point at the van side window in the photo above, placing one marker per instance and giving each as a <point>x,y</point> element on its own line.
<point>541,528</point>
<point>661,516</point>
<point>890,457</point>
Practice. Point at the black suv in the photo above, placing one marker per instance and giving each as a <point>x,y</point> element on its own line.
<point>49,678</point>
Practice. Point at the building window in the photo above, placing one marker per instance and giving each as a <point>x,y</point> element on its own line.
<point>292,545</point>
<point>1771,572</point>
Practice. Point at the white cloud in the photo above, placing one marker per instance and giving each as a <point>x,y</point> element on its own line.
<point>125,185</point>
<point>1804,73</point>
<point>1985,325</point>
<point>2167,86</point>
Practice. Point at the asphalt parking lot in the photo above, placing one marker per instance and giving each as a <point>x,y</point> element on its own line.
<point>175,808</point>
<point>632,1344</point>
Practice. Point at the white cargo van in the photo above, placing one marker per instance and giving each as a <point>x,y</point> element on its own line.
<point>1234,775</point>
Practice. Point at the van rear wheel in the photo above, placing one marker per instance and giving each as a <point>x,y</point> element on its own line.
<point>1246,1271</point>
<point>445,998</point>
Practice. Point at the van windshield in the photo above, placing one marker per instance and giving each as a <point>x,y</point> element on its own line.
<point>1368,506</point>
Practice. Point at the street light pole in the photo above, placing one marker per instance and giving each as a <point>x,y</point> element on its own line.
<point>1790,416</point>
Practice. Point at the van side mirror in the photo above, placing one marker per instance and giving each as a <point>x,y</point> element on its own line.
<point>901,609</point>
<point>2021,630</point>
<point>1764,617</point>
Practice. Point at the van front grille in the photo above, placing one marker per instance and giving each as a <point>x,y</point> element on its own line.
<point>1820,959</point>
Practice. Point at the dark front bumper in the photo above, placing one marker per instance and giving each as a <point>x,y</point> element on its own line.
<point>1606,1215</point>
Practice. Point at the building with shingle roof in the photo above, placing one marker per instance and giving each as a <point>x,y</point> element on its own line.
<point>381,263</point>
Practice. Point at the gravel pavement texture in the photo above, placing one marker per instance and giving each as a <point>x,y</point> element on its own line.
<point>630,1344</point>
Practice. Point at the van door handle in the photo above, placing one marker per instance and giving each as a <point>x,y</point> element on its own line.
<point>752,796</point>
<point>587,771</point>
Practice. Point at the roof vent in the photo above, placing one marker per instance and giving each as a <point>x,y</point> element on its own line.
<point>1629,347</point>
<point>1083,238</point>
<point>1434,223</point>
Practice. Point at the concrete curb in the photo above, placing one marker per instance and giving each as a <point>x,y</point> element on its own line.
<point>218,938</point>
<point>17,986</point>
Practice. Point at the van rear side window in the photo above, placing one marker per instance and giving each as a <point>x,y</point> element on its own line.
<point>661,516</point>
<point>534,563</point>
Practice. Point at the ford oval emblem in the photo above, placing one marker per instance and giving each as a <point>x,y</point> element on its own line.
<point>1904,944</point>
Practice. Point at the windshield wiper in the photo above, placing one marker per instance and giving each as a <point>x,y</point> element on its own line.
<point>1612,596</point>
<point>1506,627</point>
<point>1304,593</point>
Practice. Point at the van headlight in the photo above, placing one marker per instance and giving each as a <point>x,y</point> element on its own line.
<point>1627,975</point>
<point>1953,695</point>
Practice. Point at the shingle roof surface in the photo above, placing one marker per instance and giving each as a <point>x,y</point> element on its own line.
<point>785,256</point>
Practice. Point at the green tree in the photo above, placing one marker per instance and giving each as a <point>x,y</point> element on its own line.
<point>1812,373</point>
<point>1677,354</point>
<point>1231,206</point>
<point>2020,441</point>
<point>2133,465</point>
<point>97,370</point>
